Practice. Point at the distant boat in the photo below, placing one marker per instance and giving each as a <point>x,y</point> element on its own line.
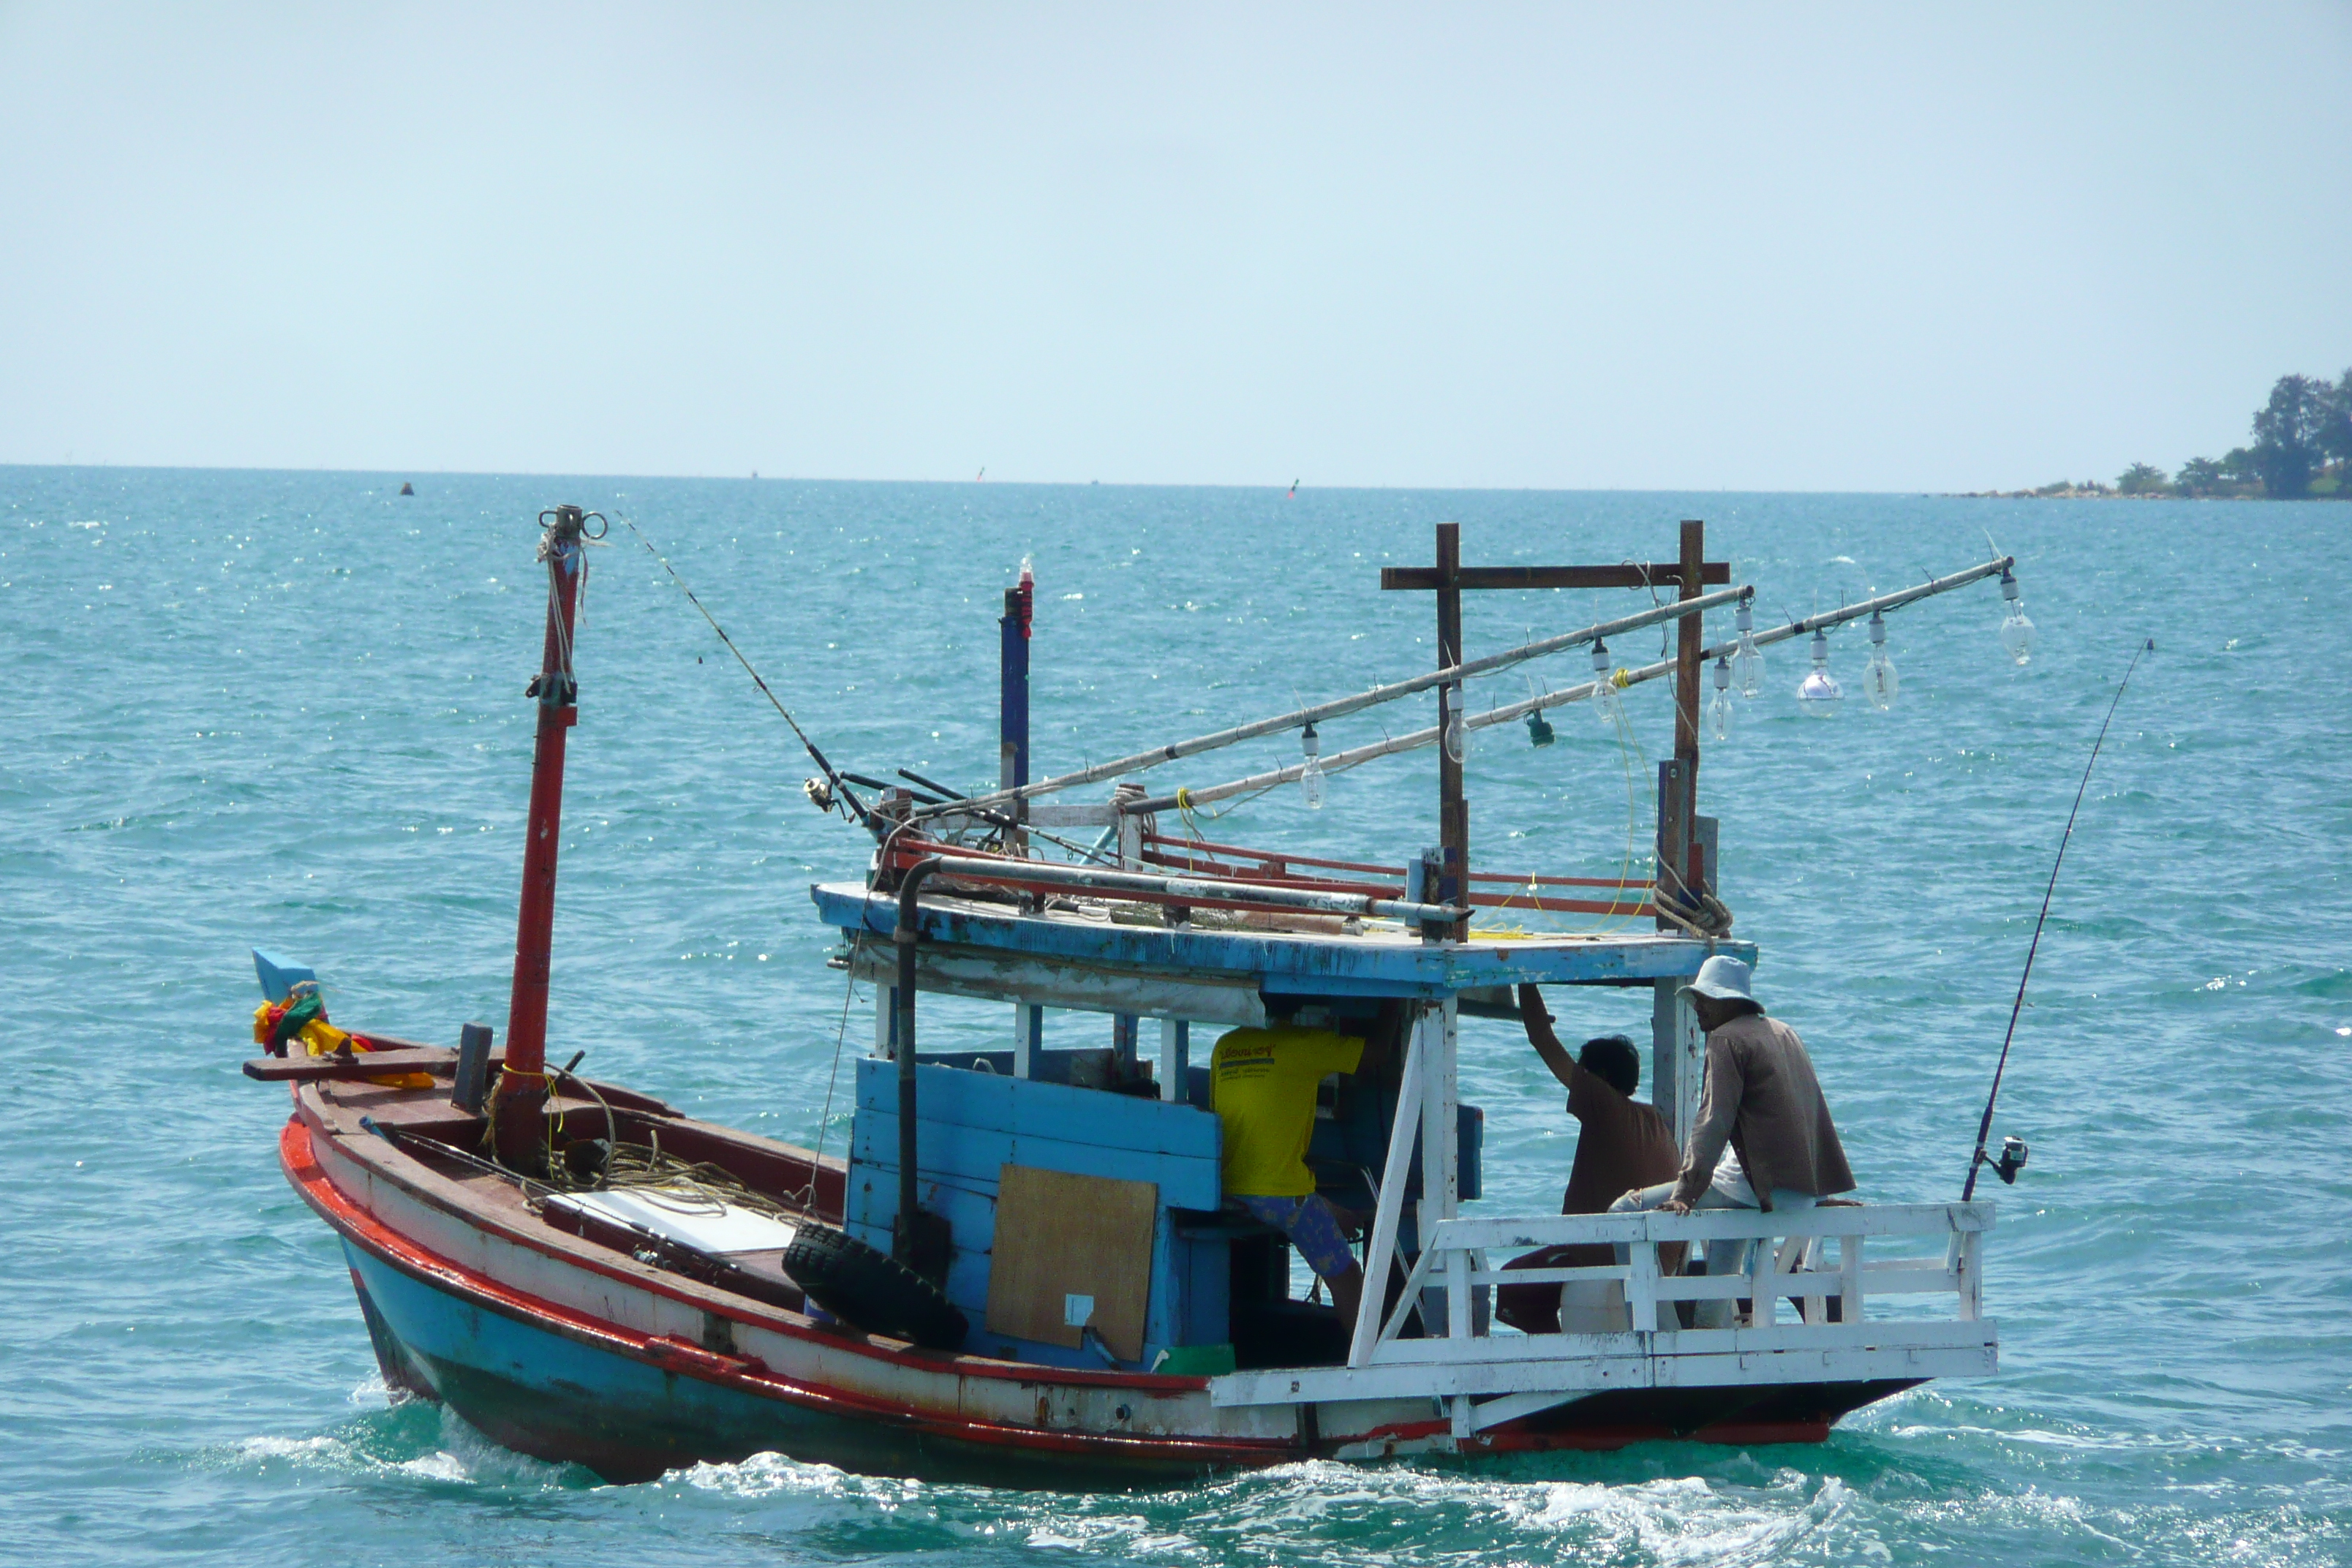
<point>406,488</point>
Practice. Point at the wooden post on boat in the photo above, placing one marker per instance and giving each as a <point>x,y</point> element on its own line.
<point>1676,1049</point>
<point>1449,577</point>
<point>921,1241</point>
<point>1674,1072</point>
<point>1453,804</point>
<point>1681,876</point>
<point>1012,631</point>
<point>1687,662</point>
<point>1013,702</point>
<point>519,1135</point>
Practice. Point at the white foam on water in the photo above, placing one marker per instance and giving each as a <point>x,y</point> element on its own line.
<point>769,1474</point>
<point>294,1449</point>
<point>1678,1521</point>
<point>462,1456</point>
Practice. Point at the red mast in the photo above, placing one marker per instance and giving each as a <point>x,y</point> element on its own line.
<point>522,1083</point>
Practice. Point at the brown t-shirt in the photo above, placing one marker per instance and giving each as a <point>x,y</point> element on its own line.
<point>1624,1144</point>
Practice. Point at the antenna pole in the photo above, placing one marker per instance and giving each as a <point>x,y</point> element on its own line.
<point>1984,1126</point>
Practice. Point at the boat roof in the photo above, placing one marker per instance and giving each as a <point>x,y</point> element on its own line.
<point>985,947</point>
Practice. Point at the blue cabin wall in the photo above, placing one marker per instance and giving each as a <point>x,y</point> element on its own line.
<point>974,1123</point>
<point>970,1124</point>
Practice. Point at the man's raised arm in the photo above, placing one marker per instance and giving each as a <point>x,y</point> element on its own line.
<point>1537,1024</point>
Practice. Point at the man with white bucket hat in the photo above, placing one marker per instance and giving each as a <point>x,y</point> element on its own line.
<point>1763,1138</point>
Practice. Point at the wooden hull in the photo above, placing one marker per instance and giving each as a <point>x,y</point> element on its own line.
<point>559,1355</point>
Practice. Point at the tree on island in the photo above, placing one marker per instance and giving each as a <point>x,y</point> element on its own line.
<point>2302,434</point>
<point>2288,433</point>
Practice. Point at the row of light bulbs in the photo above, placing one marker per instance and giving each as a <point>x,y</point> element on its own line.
<point>1819,694</point>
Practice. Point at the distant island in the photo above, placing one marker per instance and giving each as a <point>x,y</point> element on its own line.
<point>2302,450</point>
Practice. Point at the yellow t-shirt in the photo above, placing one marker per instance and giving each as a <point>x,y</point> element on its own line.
<point>1262,1086</point>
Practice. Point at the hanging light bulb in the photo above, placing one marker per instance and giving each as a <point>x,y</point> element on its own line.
<point>1748,659</point>
<point>1457,729</point>
<point>2016,632</point>
<point>1310,777</point>
<point>1539,731</point>
<point>1604,687</point>
<point>1879,683</point>
<point>1819,692</point>
<point>1719,710</point>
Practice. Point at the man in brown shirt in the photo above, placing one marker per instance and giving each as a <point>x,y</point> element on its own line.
<point>1761,1101</point>
<point>1621,1143</point>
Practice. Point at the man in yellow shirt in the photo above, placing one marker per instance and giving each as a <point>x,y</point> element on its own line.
<point>1262,1086</point>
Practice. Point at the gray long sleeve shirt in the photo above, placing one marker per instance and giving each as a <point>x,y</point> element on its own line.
<point>1762,1098</point>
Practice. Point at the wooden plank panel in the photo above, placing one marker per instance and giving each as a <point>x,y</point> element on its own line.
<point>358,1065</point>
<point>1060,1235</point>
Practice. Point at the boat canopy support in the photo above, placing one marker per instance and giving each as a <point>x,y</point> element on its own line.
<point>1101,879</point>
<point>1341,762</point>
<point>1340,707</point>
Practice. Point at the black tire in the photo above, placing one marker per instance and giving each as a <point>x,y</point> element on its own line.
<point>865,1286</point>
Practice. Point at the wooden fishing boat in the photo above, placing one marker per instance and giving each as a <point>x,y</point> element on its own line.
<point>1022,1269</point>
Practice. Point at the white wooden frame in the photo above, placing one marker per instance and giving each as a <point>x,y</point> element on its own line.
<point>1787,1260</point>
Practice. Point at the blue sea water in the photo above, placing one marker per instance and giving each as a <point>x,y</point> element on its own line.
<point>287,710</point>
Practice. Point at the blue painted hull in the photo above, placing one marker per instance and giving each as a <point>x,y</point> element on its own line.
<point>545,1395</point>
<point>541,1393</point>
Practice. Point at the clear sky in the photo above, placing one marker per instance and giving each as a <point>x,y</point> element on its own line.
<point>1757,247</point>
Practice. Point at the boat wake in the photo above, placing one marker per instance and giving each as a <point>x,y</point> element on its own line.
<point>411,1442</point>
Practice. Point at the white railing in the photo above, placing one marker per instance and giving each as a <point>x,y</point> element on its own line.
<point>1835,1263</point>
<point>1787,1260</point>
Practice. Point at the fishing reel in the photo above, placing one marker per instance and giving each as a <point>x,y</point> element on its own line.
<point>2012,1160</point>
<point>819,791</point>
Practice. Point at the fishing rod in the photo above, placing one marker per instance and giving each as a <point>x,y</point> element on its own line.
<point>2012,1150</point>
<point>832,775</point>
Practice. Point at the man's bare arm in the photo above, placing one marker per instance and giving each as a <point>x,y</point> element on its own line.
<point>1537,1024</point>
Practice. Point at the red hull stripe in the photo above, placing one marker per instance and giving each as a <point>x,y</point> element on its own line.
<point>745,1374</point>
<point>925,1360</point>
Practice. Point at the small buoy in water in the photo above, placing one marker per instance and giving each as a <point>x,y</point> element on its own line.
<point>406,488</point>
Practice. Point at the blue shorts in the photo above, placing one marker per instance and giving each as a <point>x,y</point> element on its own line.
<point>1312,1225</point>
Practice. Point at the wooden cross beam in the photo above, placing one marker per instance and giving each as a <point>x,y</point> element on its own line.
<point>1631,574</point>
<point>1678,791</point>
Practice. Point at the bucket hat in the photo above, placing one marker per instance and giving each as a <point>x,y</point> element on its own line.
<point>1725,978</point>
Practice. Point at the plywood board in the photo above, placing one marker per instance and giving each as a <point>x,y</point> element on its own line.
<point>1060,1236</point>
